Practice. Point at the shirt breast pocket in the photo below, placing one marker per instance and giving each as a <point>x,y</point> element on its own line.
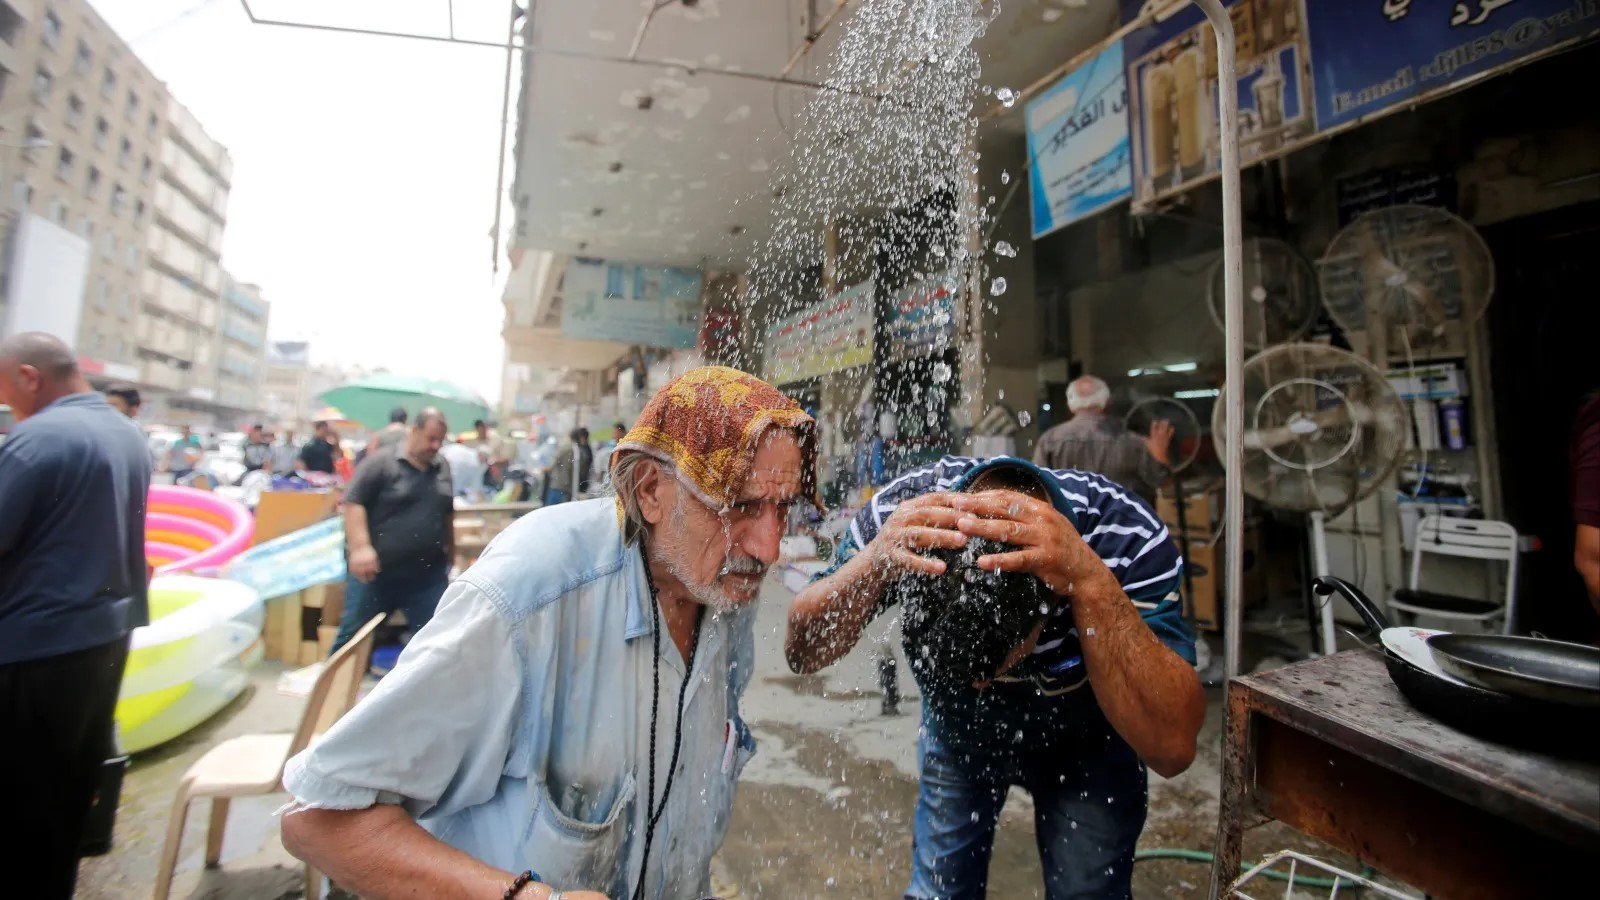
<point>570,854</point>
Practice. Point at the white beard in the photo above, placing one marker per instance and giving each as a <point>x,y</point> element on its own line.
<point>675,548</point>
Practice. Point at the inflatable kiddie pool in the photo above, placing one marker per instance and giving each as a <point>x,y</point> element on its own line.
<point>187,529</point>
<point>190,661</point>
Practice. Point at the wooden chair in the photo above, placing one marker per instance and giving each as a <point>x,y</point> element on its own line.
<point>252,764</point>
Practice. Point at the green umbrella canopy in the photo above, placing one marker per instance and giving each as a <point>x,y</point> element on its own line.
<point>370,399</point>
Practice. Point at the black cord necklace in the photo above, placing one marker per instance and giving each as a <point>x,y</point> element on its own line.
<point>653,808</point>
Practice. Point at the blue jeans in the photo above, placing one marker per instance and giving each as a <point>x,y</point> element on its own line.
<point>1089,797</point>
<point>416,594</point>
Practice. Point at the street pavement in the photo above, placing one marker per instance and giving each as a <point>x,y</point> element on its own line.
<point>824,810</point>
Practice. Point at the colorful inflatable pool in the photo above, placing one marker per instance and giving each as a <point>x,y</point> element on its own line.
<point>188,530</point>
<point>190,661</point>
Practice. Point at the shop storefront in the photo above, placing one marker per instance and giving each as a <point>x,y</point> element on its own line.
<point>1344,113</point>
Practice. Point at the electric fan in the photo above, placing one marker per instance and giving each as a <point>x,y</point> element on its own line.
<point>1412,277</point>
<point>1323,429</point>
<point>1280,294</point>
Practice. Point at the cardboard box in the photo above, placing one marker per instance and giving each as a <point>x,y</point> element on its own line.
<point>1204,586</point>
<point>1202,509</point>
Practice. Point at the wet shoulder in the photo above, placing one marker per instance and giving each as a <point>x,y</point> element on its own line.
<point>550,552</point>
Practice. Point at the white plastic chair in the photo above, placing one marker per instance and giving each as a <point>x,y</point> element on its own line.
<point>252,764</point>
<point>1464,538</point>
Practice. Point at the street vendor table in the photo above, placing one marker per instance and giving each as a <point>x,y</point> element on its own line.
<point>1331,748</point>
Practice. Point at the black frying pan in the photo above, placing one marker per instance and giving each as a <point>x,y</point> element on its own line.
<point>1462,705</point>
<point>1526,667</point>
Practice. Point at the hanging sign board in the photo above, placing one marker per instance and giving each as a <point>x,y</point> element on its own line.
<point>1078,143</point>
<point>1372,55</point>
<point>1173,82</point>
<point>924,318</point>
<point>653,306</point>
<point>830,336</point>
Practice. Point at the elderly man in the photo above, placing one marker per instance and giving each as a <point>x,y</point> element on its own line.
<point>1086,597</point>
<point>1091,442</point>
<point>572,711</point>
<point>74,475</point>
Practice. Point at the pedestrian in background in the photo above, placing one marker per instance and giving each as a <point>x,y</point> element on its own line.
<point>74,477</point>
<point>284,452</point>
<point>1091,442</point>
<point>571,467</point>
<point>257,450</point>
<point>389,436</point>
<point>125,399</point>
<point>399,530</point>
<point>184,453</point>
<point>318,453</point>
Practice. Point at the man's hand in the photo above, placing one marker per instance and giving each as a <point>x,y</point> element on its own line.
<point>927,522</point>
<point>1048,546</point>
<point>364,563</point>
<point>1159,442</point>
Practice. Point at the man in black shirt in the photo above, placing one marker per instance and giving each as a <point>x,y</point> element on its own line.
<point>257,450</point>
<point>317,454</point>
<point>399,530</point>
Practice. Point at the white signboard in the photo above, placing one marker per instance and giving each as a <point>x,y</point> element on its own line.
<point>47,278</point>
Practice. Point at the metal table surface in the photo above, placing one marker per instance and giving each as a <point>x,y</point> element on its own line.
<point>1331,748</point>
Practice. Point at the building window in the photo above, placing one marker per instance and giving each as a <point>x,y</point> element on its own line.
<point>102,132</point>
<point>131,254</point>
<point>108,85</point>
<point>50,29</point>
<point>22,193</point>
<point>151,125</point>
<point>131,109</point>
<point>64,161</point>
<point>74,110</point>
<point>85,60</point>
<point>108,247</point>
<point>43,84</point>
<point>86,228</point>
<point>119,199</point>
<point>91,186</point>
<point>146,168</point>
<point>57,212</point>
<point>138,212</point>
<point>125,155</point>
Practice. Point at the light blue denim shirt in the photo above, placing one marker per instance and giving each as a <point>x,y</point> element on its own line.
<point>516,725</point>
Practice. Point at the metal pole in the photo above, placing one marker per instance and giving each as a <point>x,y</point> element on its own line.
<point>1233,394</point>
<point>505,124</point>
<point>1233,320</point>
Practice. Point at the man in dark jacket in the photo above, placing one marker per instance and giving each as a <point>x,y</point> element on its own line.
<point>74,476</point>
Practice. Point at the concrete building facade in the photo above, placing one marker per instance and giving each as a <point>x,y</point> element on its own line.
<point>82,123</point>
<point>92,141</point>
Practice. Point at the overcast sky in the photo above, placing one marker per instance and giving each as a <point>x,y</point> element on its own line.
<point>363,169</point>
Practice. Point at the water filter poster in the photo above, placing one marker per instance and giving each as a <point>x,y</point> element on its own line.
<point>1078,143</point>
<point>1371,55</point>
<point>1173,82</point>
<point>830,336</point>
<point>652,306</point>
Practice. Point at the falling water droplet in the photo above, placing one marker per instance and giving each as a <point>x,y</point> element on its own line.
<point>1004,248</point>
<point>997,287</point>
<point>1006,96</point>
<point>941,372</point>
<point>1024,418</point>
<point>1005,177</point>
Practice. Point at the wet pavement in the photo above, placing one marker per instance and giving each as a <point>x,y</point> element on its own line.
<point>823,811</point>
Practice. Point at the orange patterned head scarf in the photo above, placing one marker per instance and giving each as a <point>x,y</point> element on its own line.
<point>706,424</point>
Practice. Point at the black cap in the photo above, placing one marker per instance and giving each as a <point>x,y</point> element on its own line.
<point>398,415</point>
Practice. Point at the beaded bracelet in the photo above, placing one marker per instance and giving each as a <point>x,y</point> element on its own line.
<point>520,882</point>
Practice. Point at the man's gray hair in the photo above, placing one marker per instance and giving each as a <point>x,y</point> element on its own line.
<point>428,416</point>
<point>1088,392</point>
<point>625,482</point>
<point>53,359</point>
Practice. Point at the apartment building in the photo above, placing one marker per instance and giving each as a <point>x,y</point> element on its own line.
<point>241,345</point>
<point>182,282</point>
<point>82,125</point>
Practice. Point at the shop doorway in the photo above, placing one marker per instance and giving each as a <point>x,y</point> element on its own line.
<point>1543,327</point>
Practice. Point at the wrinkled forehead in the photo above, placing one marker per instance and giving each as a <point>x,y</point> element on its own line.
<point>777,469</point>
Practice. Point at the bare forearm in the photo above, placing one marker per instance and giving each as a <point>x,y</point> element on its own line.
<point>356,535</point>
<point>1587,559</point>
<point>827,618</point>
<point>381,853</point>
<point>1149,694</point>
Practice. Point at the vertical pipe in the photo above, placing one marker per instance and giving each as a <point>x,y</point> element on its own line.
<point>1233,396</point>
<point>1233,320</point>
<point>505,124</point>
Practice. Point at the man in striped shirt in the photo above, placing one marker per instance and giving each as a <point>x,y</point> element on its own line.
<point>1113,624</point>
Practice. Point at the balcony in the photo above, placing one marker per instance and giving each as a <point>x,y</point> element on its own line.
<point>171,295</point>
<point>249,335</point>
<point>166,338</point>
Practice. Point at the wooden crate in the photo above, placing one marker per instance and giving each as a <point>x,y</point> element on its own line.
<point>293,629</point>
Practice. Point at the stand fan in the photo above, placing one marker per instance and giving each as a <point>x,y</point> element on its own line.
<point>1323,429</point>
<point>1280,294</point>
<point>1408,277</point>
<point>1186,433</point>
